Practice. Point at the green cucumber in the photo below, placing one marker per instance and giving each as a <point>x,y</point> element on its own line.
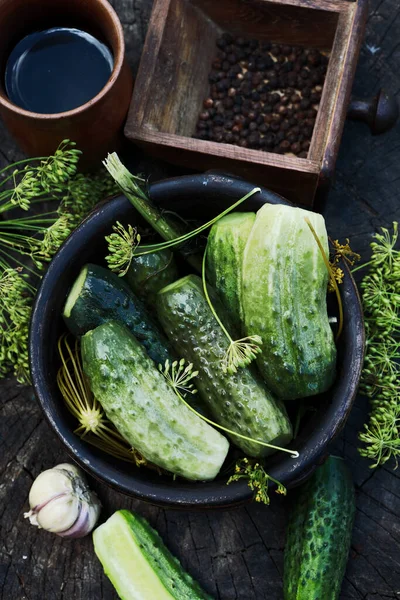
<point>239,402</point>
<point>149,273</point>
<point>225,248</point>
<point>98,296</point>
<point>318,535</point>
<point>284,289</point>
<point>138,563</point>
<point>145,409</point>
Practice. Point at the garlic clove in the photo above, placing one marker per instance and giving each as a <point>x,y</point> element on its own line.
<point>59,514</point>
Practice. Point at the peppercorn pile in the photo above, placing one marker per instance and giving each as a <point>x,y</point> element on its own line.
<point>263,96</point>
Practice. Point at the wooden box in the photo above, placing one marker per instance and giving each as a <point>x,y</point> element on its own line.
<point>172,83</point>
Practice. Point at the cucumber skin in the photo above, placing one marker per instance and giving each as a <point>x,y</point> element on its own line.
<point>144,408</point>
<point>318,535</point>
<point>284,301</point>
<point>105,297</point>
<point>239,402</point>
<point>165,565</point>
<point>225,248</point>
<point>149,273</point>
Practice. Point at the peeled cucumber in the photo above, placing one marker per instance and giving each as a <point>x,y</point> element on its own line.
<point>145,409</point>
<point>239,402</point>
<point>225,249</point>
<point>138,563</point>
<point>284,291</point>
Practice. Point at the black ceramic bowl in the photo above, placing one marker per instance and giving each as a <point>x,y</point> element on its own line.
<point>202,196</point>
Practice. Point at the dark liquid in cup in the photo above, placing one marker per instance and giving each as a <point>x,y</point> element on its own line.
<point>57,70</point>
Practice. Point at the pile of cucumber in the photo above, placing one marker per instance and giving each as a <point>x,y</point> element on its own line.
<point>266,277</point>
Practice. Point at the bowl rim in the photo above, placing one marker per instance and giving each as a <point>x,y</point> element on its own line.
<point>191,495</point>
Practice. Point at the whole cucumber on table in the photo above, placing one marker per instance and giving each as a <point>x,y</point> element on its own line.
<point>145,409</point>
<point>239,402</point>
<point>98,295</point>
<point>284,292</point>
<point>225,248</point>
<point>138,563</point>
<point>319,534</point>
<point>148,273</point>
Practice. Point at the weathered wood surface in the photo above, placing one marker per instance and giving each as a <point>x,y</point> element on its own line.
<point>234,554</point>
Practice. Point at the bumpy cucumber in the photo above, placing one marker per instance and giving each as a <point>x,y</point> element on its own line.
<point>138,563</point>
<point>319,534</point>
<point>239,402</point>
<point>145,409</point>
<point>98,296</point>
<point>225,248</point>
<point>149,273</point>
<point>284,301</point>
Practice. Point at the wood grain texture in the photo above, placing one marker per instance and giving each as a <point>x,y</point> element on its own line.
<point>236,555</point>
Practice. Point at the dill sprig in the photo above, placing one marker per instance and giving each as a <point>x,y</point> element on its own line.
<point>121,246</point>
<point>93,425</point>
<point>380,290</point>
<point>257,479</point>
<point>179,376</point>
<point>240,353</point>
<point>37,236</point>
<point>172,376</point>
<point>15,311</point>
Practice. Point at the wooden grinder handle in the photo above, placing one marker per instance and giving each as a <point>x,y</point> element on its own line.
<point>380,112</point>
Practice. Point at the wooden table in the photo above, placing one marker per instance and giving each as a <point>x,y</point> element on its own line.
<point>234,554</point>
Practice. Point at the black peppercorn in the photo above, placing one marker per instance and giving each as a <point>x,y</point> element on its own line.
<point>228,102</point>
<point>284,145</point>
<point>306,145</point>
<point>243,143</point>
<point>231,58</point>
<point>244,133</point>
<point>251,66</point>
<point>225,66</point>
<point>290,137</point>
<point>254,140</point>
<point>304,104</point>
<point>285,126</point>
<point>303,155</point>
<point>218,120</point>
<point>253,126</point>
<point>263,128</point>
<point>270,140</point>
<point>204,136</point>
<point>295,147</point>
<point>202,125</point>
<point>228,138</point>
<point>204,116</point>
<point>306,92</point>
<point>228,124</point>
<point>275,126</point>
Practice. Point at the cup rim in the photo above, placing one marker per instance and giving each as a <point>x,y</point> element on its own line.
<point>118,62</point>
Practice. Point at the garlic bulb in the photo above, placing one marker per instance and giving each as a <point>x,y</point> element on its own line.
<point>62,503</point>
